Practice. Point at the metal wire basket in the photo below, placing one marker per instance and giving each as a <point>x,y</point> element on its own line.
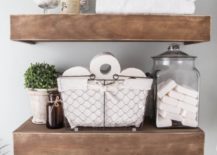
<point>105,103</point>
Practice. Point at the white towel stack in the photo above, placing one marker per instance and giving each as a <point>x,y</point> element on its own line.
<point>145,6</point>
<point>176,103</point>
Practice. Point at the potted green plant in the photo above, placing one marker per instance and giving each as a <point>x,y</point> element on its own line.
<point>40,78</point>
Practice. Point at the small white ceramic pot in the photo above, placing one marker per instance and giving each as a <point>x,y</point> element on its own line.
<point>38,101</point>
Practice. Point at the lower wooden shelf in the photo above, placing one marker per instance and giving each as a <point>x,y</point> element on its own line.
<point>30,139</point>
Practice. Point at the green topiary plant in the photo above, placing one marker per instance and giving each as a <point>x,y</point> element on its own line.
<point>41,76</point>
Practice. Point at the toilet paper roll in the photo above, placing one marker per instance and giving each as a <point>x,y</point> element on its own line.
<point>76,71</point>
<point>132,72</point>
<point>65,84</point>
<point>105,59</point>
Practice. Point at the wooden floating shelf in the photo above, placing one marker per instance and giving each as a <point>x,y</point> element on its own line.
<point>153,28</point>
<point>32,139</point>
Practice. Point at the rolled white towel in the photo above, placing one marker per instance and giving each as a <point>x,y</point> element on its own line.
<point>165,87</point>
<point>190,123</point>
<point>169,108</point>
<point>171,116</point>
<point>187,91</point>
<point>170,101</point>
<point>184,98</point>
<point>188,107</point>
<point>190,100</point>
<point>162,122</point>
<point>162,113</point>
<point>176,95</point>
<point>188,115</point>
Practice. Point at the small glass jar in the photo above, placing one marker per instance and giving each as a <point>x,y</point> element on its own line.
<point>70,6</point>
<point>176,89</point>
<point>55,119</point>
<point>87,6</point>
<point>84,6</point>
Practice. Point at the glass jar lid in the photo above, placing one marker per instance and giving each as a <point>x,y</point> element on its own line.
<point>174,52</point>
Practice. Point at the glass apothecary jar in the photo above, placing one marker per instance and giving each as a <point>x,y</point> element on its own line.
<point>176,89</point>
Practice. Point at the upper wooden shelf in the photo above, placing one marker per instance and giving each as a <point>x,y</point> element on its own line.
<point>53,27</point>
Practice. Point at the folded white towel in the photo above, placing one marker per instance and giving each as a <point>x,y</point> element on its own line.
<point>174,117</point>
<point>145,6</point>
<point>162,113</point>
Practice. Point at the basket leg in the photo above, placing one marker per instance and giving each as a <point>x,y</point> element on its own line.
<point>76,129</point>
<point>134,129</point>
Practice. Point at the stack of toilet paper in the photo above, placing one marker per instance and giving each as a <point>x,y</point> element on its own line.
<point>104,102</point>
<point>176,103</point>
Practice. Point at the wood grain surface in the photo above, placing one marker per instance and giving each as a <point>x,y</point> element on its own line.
<point>32,139</point>
<point>33,28</point>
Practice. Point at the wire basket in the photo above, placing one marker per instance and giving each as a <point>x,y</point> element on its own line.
<point>103,103</point>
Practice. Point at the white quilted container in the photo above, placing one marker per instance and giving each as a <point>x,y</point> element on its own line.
<point>93,103</point>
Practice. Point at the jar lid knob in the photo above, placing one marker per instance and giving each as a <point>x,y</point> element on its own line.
<point>174,47</point>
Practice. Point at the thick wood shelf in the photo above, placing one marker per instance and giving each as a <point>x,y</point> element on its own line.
<point>32,139</point>
<point>51,28</point>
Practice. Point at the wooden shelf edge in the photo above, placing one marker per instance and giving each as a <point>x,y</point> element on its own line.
<point>149,128</point>
<point>150,140</point>
<point>111,28</point>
